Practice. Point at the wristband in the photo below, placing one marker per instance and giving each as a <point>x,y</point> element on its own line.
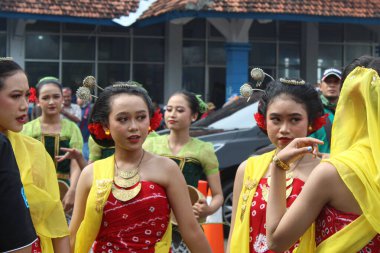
<point>280,164</point>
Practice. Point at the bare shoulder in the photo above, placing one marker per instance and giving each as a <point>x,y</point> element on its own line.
<point>325,175</point>
<point>160,162</point>
<point>240,171</point>
<point>87,175</point>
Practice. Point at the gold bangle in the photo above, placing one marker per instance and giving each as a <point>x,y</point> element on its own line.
<point>280,164</point>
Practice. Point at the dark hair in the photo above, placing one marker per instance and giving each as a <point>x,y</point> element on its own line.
<point>363,61</point>
<point>191,100</point>
<point>48,80</point>
<point>7,69</point>
<point>304,94</point>
<point>102,107</point>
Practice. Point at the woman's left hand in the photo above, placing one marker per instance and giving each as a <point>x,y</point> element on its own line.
<point>71,153</point>
<point>299,147</point>
<point>201,209</point>
<point>68,200</point>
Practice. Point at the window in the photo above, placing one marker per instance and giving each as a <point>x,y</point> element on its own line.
<point>73,51</point>
<point>47,44</point>
<point>78,48</point>
<point>38,70</point>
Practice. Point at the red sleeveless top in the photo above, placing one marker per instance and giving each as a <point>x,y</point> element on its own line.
<point>257,228</point>
<point>135,225</point>
<point>331,221</point>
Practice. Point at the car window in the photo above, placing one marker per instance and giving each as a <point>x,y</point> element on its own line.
<point>242,118</point>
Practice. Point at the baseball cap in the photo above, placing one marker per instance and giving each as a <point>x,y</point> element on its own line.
<point>332,72</point>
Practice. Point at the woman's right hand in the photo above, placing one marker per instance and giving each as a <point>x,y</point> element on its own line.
<point>299,147</point>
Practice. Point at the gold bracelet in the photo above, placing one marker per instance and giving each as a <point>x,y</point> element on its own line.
<point>280,164</point>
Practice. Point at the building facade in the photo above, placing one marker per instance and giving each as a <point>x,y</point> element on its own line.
<point>207,54</point>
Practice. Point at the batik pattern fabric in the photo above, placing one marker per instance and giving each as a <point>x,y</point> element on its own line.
<point>102,212</point>
<point>257,231</point>
<point>330,221</point>
<point>241,235</point>
<point>135,225</point>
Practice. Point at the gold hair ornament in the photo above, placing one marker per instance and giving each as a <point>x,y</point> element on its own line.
<point>292,81</point>
<point>246,91</point>
<point>6,59</point>
<point>90,82</point>
<point>129,83</point>
<point>258,75</point>
<point>84,92</point>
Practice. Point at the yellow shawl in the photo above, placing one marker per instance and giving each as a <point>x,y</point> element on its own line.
<point>355,153</point>
<point>101,187</point>
<point>41,188</point>
<point>254,171</point>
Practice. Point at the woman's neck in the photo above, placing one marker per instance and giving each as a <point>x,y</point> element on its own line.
<point>179,138</point>
<point>51,119</point>
<point>125,158</point>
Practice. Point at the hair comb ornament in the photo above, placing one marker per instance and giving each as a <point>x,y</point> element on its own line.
<point>258,75</point>
<point>6,59</point>
<point>292,81</point>
<point>84,92</point>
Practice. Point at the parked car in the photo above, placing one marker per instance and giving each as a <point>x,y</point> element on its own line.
<point>235,136</point>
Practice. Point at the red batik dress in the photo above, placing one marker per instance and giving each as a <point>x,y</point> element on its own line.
<point>331,221</point>
<point>257,228</point>
<point>135,225</point>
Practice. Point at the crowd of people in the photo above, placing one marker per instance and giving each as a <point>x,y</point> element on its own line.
<point>95,176</point>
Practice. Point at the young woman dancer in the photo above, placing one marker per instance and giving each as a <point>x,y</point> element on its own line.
<point>342,193</point>
<point>288,109</point>
<point>35,165</point>
<point>55,132</point>
<point>123,202</point>
<point>196,158</point>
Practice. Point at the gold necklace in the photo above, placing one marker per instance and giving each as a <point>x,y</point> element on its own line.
<point>126,179</point>
<point>289,184</point>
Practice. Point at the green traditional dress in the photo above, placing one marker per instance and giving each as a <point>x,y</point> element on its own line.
<point>98,152</point>
<point>196,159</point>
<point>70,137</point>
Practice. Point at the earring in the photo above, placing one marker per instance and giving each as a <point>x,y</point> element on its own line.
<point>310,129</point>
<point>107,132</point>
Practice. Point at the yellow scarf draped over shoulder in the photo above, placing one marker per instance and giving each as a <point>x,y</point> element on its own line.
<point>39,178</point>
<point>101,188</point>
<point>355,153</point>
<point>254,171</point>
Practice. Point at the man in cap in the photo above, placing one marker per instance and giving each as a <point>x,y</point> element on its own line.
<point>329,87</point>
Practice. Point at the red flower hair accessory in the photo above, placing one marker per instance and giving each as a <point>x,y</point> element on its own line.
<point>32,95</point>
<point>155,121</point>
<point>97,130</point>
<point>319,122</point>
<point>260,120</point>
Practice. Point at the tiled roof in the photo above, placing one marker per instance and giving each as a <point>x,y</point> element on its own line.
<point>340,8</point>
<point>105,9</point>
<point>108,9</point>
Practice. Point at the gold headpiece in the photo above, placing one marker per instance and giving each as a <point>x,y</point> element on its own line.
<point>6,59</point>
<point>84,92</point>
<point>258,75</point>
<point>292,81</point>
<point>129,83</point>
